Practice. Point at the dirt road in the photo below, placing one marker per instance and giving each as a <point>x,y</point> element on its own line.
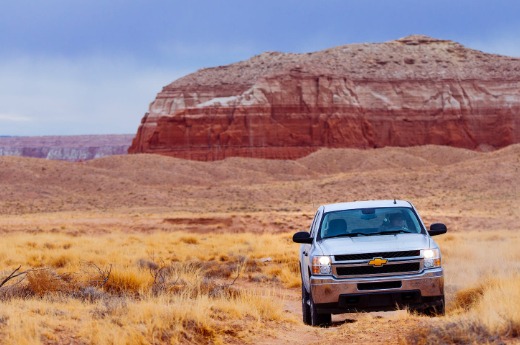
<point>363,328</point>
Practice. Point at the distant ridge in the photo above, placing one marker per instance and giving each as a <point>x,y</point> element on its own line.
<point>67,148</point>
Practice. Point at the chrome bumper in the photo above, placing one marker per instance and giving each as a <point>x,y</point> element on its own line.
<point>328,289</point>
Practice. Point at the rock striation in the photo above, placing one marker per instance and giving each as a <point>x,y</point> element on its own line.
<point>412,91</point>
<point>67,148</point>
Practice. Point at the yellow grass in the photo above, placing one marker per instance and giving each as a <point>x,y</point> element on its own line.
<point>178,287</point>
<point>472,258</point>
<point>162,319</point>
<point>499,308</point>
<point>129,280</point>
<point>483,294</point>
<point>161,287</point>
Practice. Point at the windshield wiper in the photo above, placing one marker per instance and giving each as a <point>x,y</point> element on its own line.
<point>394,232</point>
<point>350,234</point>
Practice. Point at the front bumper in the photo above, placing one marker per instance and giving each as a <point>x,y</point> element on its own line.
<point>377,293</point>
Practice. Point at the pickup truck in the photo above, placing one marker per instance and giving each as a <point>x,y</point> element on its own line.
<point>369,256</point>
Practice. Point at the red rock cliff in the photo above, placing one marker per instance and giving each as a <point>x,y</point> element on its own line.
<point>413,91</point>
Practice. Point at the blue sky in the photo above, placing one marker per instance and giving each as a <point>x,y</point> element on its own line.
<point>92,67</point>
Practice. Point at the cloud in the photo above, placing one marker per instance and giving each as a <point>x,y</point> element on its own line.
<point>90,95</point>
<point>14,118</point>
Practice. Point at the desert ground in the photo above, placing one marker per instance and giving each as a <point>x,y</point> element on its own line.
<point>146,249</point>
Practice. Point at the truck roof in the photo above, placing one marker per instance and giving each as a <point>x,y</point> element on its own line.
<point>366,204</point>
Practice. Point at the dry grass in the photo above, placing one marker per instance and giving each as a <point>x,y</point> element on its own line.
<point>474,259</point>
<point>160,287</point>
<point>164,319</point>
<point>491,315</point>
<point>482,291</point>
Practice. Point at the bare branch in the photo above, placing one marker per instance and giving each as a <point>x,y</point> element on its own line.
<point>103,274</point>
<point>219,288</point>
<point>11,276</point>
<point>240,268</point>
<point>14,274</point>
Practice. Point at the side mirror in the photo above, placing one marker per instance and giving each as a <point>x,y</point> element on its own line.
<point>437,229</point>
<point>302,237</point>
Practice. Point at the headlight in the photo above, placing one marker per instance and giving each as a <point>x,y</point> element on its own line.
<point>321,265</point>
<point>432,258</point>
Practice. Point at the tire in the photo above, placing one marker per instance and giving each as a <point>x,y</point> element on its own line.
<point>440,308</point>
<point>306,309</point>
<point>436,309</point>
<point>318,319</point>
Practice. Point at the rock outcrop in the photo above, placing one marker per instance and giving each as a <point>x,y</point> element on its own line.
<point>68,148</point>
<point>413,91</point>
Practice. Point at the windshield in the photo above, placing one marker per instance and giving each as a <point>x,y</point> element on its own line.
<point>370,221</point>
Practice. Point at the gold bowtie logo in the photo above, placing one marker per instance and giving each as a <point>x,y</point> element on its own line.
<point>377,262</point>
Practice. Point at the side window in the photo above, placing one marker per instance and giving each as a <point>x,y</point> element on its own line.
<point>316,223</point>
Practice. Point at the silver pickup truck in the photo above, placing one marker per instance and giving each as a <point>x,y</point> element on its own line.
<point>369,256</point>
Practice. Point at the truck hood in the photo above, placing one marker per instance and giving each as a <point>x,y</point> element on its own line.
<point>374,244</point>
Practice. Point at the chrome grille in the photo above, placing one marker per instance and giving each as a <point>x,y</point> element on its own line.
<point>368,270</point>
<point>386,255</point>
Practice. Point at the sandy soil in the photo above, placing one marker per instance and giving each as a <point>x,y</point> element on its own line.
<point>466,189</point>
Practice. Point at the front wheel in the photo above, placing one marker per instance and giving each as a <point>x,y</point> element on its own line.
<point>436,309</point>
<point>318,319</point>
<point>306,309</point>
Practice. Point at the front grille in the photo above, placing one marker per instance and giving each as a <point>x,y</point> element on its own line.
<point>366,256</point>
<point>363,270</point>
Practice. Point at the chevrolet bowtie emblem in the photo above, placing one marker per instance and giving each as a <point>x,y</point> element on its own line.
<point>377,262</point>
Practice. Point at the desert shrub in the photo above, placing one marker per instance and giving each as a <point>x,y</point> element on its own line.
<point>44,281</point>
<point>230,268</point>
<point>196,279</point>
<point>458,332</point>
<point>467,298</point>
<point>214,269</point>
<point>289,278</point>
<point>90,294</point>
<point>147,264</point>
<point>49,245</point>
<point>189,240</point>
<point>110,307</point>
<point>60,261</point>
<point>15,291</point>
<point>128,281</point>
<point>197,333</point>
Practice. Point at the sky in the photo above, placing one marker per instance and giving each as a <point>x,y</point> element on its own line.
<point>70,67</point>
